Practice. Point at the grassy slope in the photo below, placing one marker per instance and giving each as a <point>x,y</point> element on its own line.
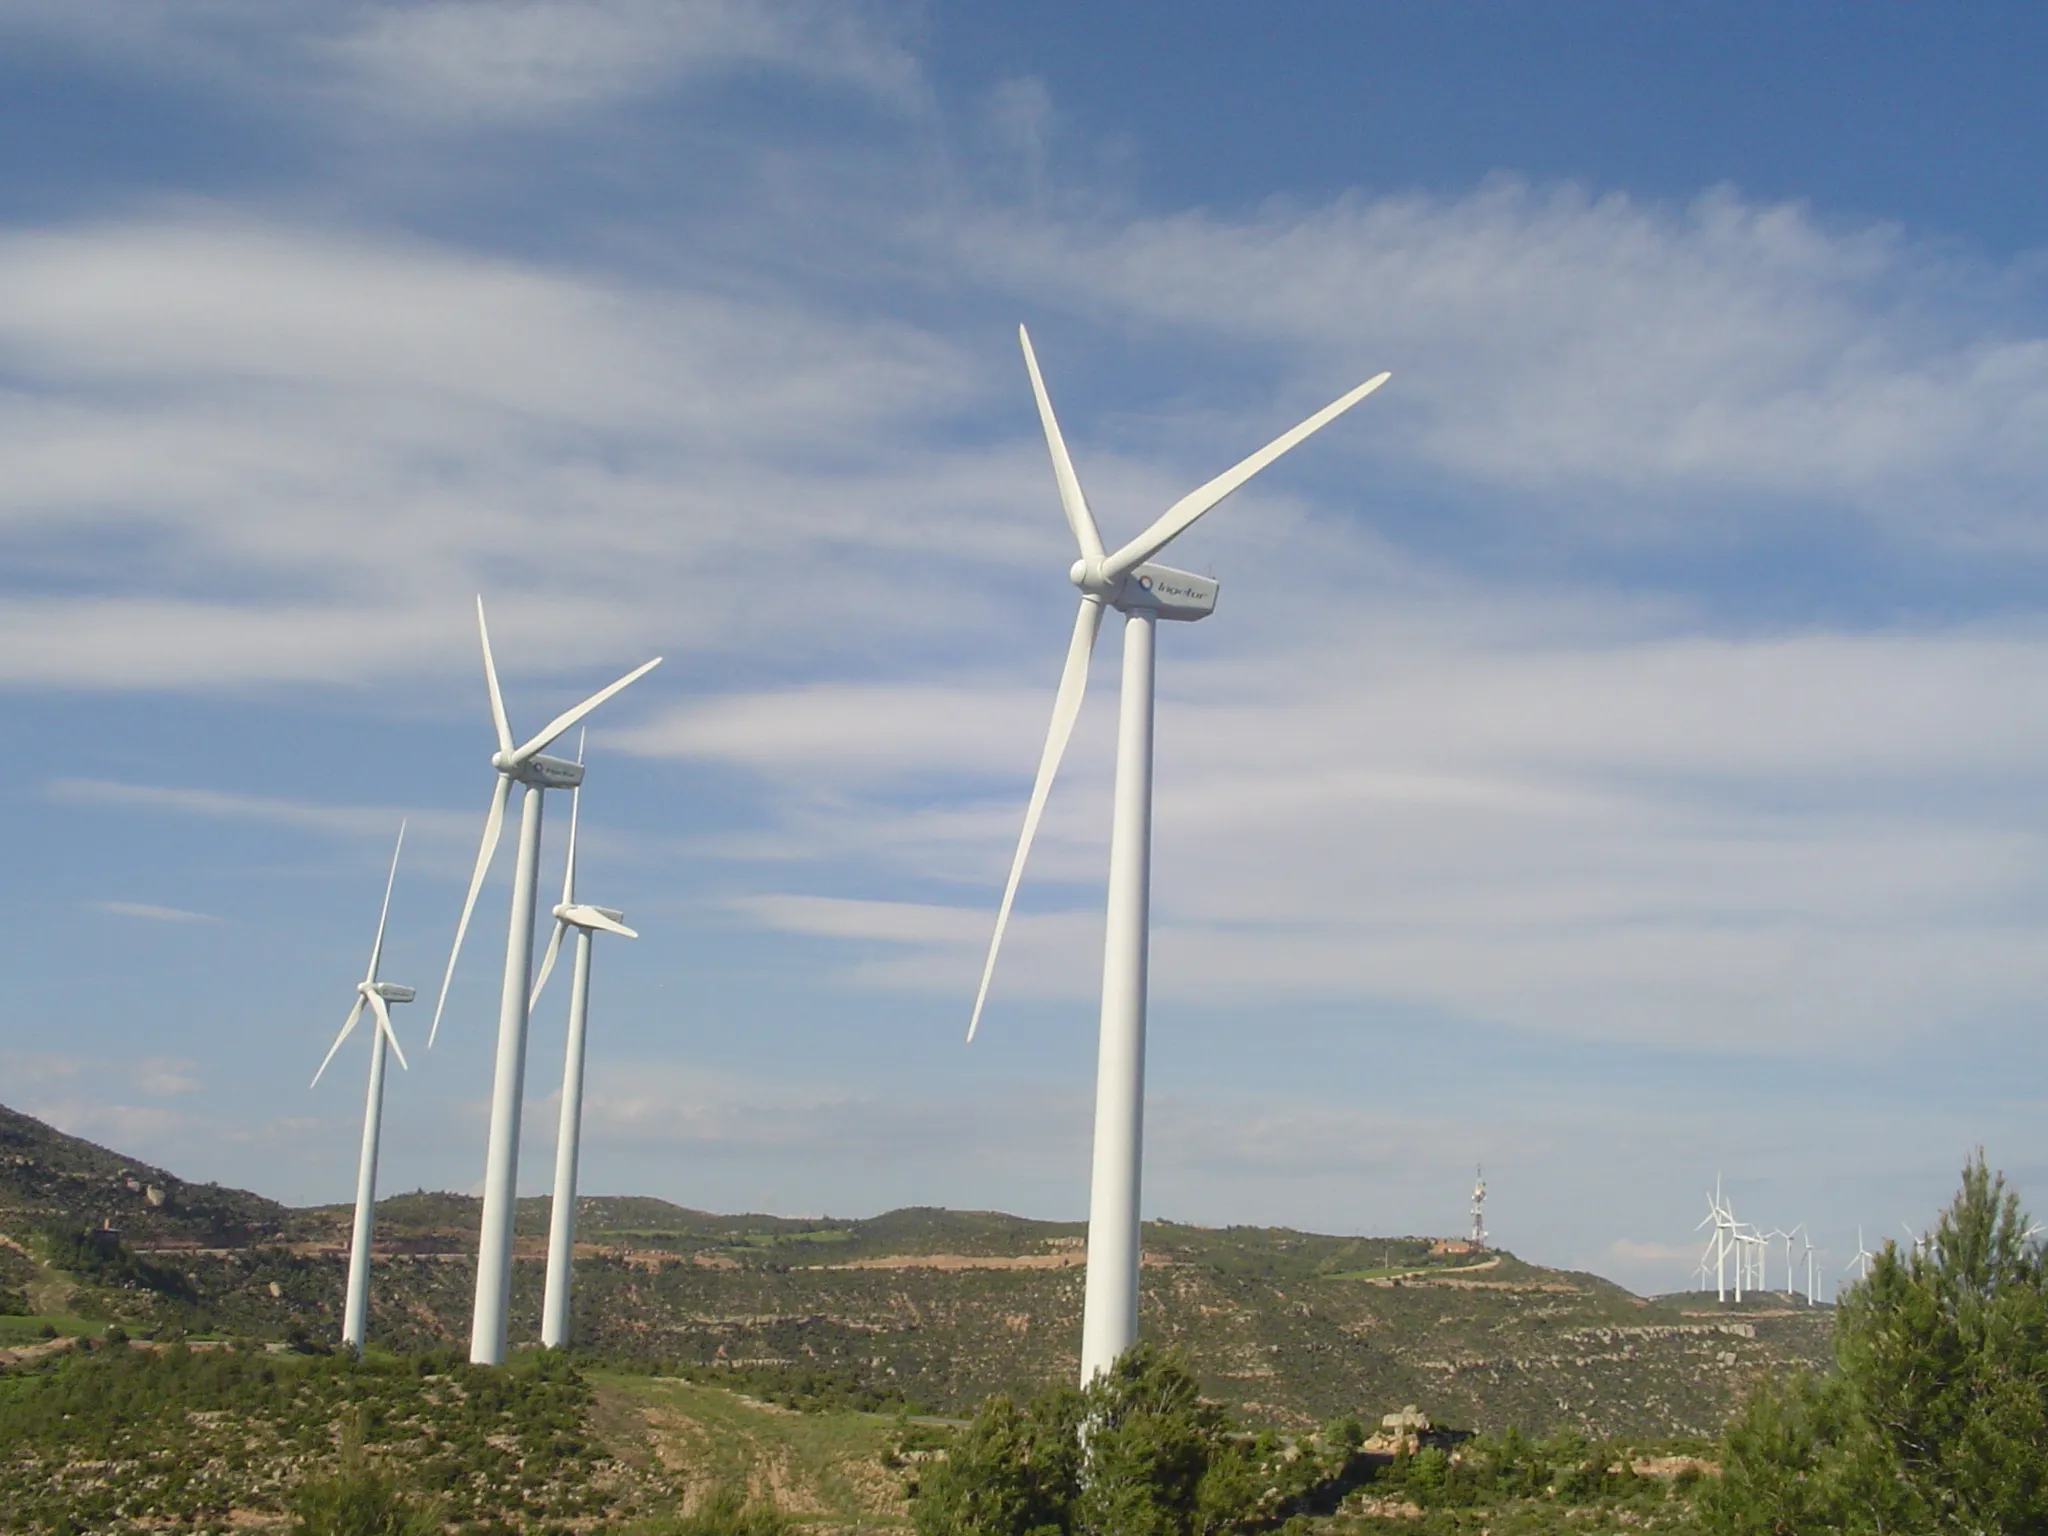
<point>827,1467</point>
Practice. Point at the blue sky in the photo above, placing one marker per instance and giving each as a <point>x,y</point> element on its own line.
<point>1614,758</point>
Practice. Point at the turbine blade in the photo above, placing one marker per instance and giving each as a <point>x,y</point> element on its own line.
<point>383,1012</point>
<point>547,964</point>
<point>569,717</point>
<point>1177,517</point>
<point>1072,501</point>
<point>347,1024</point>
<point>1066,705</point>
<point>377,949</point>
<point>498,719</point>
<point>494,822</point>
<point>609,925</point>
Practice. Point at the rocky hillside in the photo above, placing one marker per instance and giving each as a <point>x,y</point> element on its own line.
<point>937,1308</point>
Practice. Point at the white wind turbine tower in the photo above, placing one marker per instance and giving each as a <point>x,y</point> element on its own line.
<point>1738,1241</point>
<point>527,766</point>
<point>570,913</point>
<point>1791,1274</point>
<point>376,996</point>
<point>1764,1258</point>
<point>1143,593</point>
<point>1806,1239</point>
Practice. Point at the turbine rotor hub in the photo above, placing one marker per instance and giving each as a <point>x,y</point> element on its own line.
<point>1089,578</point>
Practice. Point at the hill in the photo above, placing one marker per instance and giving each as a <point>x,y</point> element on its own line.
<point>923,1307</point>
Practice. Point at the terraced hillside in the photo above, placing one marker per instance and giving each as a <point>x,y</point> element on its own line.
<point>940,1308</point>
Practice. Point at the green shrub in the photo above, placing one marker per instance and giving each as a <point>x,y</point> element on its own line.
<point>359,1500</point>
<point>1139,1453</point>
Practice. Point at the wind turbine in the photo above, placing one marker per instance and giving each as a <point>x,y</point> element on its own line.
<point>527,766</point>
<point>376,996</point>
<point>1144,594</point>
<point>1717,1244</point>
<point>1863,1257</point>
<point>1726,1240</point>
<point>569,913</point>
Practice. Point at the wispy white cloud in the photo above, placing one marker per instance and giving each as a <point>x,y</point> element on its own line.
<point>1763,845</point>
<point>444,842</point>
<point>1631,1251</point>
<point>154,914</point>
<point>468,63</point>
<point>209,413</point>
<point>1550,341</point>
<point>155,1076</point>
<point>342,820</point>
<point>485,63</point>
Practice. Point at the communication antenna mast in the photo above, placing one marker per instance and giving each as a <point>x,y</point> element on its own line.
<point>1479,1207</point>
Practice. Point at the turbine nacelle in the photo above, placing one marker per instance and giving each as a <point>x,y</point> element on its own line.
<point>390,991</point>
<point>579,914</point>
<point>540,771</point>
<point>1157,589</point>
<point>1170,594</point>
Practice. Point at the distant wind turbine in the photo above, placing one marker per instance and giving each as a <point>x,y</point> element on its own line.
<point>1144,594</point>
<point>1812,1254</point>
<point>376,996</point>
<point>1787,1236</point>
<point>1863,1257</point>
<point>1722,1243</point>
<point>527,766</point>
<point>570,913</point>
